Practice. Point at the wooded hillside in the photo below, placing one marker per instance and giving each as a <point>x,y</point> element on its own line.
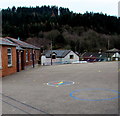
<point>79,32</point>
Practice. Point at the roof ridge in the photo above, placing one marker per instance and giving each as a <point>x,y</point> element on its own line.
<point>18,40</point>
<point>7,41</point>
<point>14,41</point>
<point>22,43</point>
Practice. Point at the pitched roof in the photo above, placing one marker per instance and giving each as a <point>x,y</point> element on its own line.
<point>4,41</point>
<point>59,53</point>
<point>94,54</point>
<point>113,50</point>
<point>116,55</point>
<point>21,43</point>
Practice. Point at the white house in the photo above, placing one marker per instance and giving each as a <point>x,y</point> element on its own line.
<point>113,54</point>
<point>116,56</point>
<point>58,57</point>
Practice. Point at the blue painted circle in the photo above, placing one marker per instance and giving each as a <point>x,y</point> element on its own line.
<point>90,89</point>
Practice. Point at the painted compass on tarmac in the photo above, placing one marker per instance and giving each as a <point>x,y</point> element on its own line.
<point>60,83</point>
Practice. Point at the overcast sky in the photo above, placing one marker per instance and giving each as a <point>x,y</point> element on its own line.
<point>105,6</point>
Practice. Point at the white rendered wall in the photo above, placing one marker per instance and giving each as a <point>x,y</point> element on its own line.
<point>47,61</point>
<point>67,57</point>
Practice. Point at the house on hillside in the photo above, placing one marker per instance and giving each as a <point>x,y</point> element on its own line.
<point>20,54</point>
<point>7,57</point>
<point>93,57</point>
<point>113,54</point>
<point>58,57</point>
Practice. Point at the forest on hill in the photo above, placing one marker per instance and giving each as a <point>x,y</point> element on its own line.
<point>66,29</point>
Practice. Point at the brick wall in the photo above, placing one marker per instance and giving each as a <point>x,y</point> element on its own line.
<point>29,62</point>
<point>5,69</point>
<point>12,69</point>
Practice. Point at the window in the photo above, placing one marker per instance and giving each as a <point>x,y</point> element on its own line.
<point>9,53</point>
<point>27,56</point>
<point>71,57</point>
<point>31,55</point>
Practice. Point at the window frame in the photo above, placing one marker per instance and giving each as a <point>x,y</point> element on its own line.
<point>31,55</point>
<point>27,59</point>
<point>72,57</point>
<point>9,54</point>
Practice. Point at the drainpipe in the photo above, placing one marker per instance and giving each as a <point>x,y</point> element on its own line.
<point>18,67</point>
<point>33,58</point>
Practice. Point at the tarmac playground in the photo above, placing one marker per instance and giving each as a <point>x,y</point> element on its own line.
<point>90,88</point>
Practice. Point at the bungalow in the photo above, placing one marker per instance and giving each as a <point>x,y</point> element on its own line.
<point>58,57</point>
<point>20,54</point>
<point>7,57</point>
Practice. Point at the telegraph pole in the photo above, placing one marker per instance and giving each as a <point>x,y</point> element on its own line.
<point>108,44</point>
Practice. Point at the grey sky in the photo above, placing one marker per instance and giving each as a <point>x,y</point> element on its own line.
<point>105,6</point>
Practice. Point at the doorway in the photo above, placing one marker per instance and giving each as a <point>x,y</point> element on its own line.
<point>22,61</point>
<point>18,67</point>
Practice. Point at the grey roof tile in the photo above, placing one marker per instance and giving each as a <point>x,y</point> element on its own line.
<point>59,53</point>
<point>113,50</point>
<point>6,42</point>
<point>21,43</point>
<point>94,54</point>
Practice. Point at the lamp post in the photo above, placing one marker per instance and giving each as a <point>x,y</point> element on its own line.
<point>108,48</point>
